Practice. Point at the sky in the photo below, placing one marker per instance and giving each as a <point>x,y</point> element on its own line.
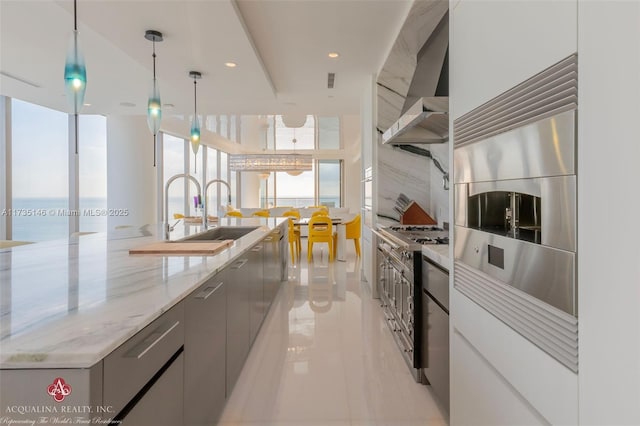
<point>40,143</point>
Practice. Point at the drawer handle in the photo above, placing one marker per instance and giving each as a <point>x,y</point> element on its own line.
<point>204,294</point>
<point>240,264</point>
<point>256,248</point>
<point>139,353</point>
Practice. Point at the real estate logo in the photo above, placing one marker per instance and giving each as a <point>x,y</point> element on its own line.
<point>59,390</point>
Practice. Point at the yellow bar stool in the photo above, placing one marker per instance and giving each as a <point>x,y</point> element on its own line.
<point>296,228</point>
<point>320,231</point>
<point>261,213</point>
<point>353,230</point>
<point>234,213</point>
<point>294,241</point>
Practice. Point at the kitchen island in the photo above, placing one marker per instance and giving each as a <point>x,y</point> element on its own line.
<point>69,304</point>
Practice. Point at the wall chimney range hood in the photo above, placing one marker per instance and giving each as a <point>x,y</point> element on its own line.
<point>425,122</point>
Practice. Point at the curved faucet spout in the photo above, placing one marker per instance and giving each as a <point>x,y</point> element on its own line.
<point>206,187</point>
<point>167,228</point>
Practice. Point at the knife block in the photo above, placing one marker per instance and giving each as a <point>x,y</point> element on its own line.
<point>414,215</point>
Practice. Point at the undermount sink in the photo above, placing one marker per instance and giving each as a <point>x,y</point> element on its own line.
<point>220,233</point>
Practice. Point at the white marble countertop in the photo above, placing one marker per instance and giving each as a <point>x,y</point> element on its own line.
<point>439,253</point>
<point>69,303</point>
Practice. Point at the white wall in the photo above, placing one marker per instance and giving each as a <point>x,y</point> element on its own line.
<point>608,206</point>
<point>351,138</point>
<point>131,177</point>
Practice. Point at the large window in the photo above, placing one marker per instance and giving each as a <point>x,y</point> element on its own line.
<point>40,141</point>
<point>212,173</point>
<point>329,182</point>
<point>305,135</point>
<point>323,185</point>
<point>295,191</point>
<point>183,191</point>
<point>173,163</point>
<point>328,133</point>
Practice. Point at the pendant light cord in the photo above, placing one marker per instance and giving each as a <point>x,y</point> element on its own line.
<point>195,98</point>
<point>75,16</point>
<point>195,119</point>
<point>154,59</point>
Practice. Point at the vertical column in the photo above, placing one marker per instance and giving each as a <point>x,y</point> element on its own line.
<point>131,177</point>
<point>74,180</point>
<point>5,167</point>
<point>159,175</point>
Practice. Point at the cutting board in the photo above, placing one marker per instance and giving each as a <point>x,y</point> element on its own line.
<point>169,248</point>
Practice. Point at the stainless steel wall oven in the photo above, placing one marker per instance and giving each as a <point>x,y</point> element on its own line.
<point>515,209</point>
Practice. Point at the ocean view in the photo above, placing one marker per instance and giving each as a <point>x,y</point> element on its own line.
<point>53,224</point>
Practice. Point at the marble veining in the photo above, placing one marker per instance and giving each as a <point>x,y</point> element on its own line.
<point>400,66</point>
<point>401,172</point>
<point>439,254</point>
<point>69,303</point>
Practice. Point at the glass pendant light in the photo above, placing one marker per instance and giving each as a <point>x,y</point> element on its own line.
<point>154,105</point>
<point>195,123</point>
<point>75,73</point>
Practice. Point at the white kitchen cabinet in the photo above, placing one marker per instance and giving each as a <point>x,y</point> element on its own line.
<point>498,44</point>
<point>608,153</point>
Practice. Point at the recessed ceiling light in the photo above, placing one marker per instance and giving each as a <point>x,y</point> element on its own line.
<point>127,104</point>
<point>230,64</point>
<point>168,106</point>
<point>333,55</point>
<point>87,104</point>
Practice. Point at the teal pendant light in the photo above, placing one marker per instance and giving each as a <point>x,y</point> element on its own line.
<point>154,105</point>
<point>195,123</point>
<point>75,73</point>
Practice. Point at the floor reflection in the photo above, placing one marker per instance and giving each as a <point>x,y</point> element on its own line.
<point>324,356</point>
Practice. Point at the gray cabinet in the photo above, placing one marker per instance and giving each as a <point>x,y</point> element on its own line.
<point>238,325</point>
<point>256,282</point>
<point>135,374</point>
<point>205,352</point>
<point>272,266</point>
<point>160,405</point>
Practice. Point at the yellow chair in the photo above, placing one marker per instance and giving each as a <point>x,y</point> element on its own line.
<point>353,230</point>
<point>234,213</point>
<point>178,216</point>
<point>296,228</point>
<point>320,212</point>
<point>261,213</point>
<point>294,241</point>
<point>292,213</point>
<point>320,231</point>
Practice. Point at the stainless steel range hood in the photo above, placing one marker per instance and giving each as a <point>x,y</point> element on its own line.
<point>425,122</point>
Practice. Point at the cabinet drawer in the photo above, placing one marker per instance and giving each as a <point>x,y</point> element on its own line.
<point>134,363</point>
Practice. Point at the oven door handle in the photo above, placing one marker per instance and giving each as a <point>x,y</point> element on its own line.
<point>386,239</point>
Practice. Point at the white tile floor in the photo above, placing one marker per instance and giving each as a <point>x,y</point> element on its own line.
<point>324,356</point>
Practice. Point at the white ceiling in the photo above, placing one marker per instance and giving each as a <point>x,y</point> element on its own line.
<point>280,47</point>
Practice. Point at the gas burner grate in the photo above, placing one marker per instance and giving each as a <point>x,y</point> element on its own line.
<point>437,240</point>
<point>415,228</point>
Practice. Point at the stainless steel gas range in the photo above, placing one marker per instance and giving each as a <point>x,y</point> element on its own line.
<point>399,260</point>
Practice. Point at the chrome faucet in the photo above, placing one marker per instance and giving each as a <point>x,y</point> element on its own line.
<point>167,228</point>
<point>206,187</point>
